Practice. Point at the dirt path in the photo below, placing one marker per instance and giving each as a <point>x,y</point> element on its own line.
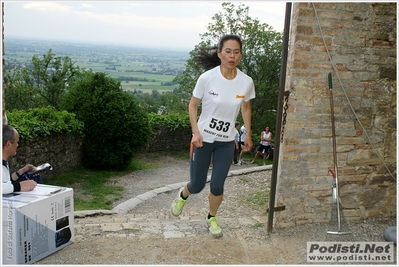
<point>150,235</point>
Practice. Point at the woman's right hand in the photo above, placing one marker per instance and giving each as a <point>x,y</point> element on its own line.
<point>196,140</point>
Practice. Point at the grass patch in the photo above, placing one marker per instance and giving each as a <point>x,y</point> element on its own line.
<point>243,180</point>
<point>259,161</point>
<point>259,224</point>
<point>257,200</point>
<point>92,189</point>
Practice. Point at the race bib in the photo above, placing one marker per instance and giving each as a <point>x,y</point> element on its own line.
<point>219,128</point>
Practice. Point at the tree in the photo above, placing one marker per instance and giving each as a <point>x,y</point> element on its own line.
<point>19,94</point>
<point>261,59</point>
<point>115,127</point>
<point>43,84</point>
<point>155,94</point>
<point>175,102</point>
<point>145,101</point>
<point>51,75</point>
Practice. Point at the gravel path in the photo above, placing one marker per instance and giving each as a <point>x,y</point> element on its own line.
<point>156,237</point>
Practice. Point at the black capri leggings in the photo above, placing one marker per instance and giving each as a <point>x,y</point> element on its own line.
<point>222,155</point>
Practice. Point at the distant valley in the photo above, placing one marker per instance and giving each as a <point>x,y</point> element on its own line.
<point>138,68</point>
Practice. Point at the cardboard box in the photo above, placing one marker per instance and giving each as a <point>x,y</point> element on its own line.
<point>36,223</point>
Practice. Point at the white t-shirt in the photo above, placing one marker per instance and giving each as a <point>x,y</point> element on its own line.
<point>243,133</point>
<point>7,187</point>
<point>265,136</point>
<point>221,102</point>
<point>237,138</point>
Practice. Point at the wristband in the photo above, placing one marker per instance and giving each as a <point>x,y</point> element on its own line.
<point>18,175</point>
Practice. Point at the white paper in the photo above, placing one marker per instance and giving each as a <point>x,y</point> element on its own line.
<point>43,190</point>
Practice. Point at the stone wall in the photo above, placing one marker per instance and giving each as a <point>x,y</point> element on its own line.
<point>361,39</point>
<point>64,152</point>
<point>165,139</point>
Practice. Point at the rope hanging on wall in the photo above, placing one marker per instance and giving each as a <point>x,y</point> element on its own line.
<point>346,96</point>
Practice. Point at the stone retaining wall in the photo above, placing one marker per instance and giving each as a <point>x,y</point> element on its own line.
<point>64,152</point>
<point>165,139</point>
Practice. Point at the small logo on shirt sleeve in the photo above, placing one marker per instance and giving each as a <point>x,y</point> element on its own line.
<point>240,96</point>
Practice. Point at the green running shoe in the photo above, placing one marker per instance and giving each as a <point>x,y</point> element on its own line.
<point>214,229</point>
<point>178,204</point>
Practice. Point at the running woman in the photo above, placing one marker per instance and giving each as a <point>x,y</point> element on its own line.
<point>223,90</point>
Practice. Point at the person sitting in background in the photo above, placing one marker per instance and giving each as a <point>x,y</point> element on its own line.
<point>14,182</point>
<point>265,139</point>
<point>243,133</point>
<point>236,145</point>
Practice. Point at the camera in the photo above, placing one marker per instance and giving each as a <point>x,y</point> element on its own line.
<point>39,169</point>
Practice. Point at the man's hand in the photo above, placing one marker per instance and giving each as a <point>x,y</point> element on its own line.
<point>27,185</point>
<point>27,168</point>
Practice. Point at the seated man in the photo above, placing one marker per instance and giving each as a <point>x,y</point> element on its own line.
<point>14,182</point>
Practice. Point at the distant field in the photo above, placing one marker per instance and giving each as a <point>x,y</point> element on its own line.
<point>144,70</point>
<point>147,87</point>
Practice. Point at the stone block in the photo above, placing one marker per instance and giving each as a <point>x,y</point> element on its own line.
<point>372,196</point>
<point>363,157</point>
<point>131,226</point>
<point>372,213</point>
<point>176,185</point>
<point>353,179</point>
<point>78,229</point>
<point>92,229</point>
<point>307,30</point>
<point>116,235</point>
<point>351,213</point>
<point>147,195</point>
<point>379,180</point>
<point>246,221</point>
<point>78,238</point>
<point>301,222</point>
<point>184,218</point>
<point>162,190</point>
<point>283,224</point>
<point>349,202</point>
<point>312,202</point>
<point>173,234</point>
<point>111,227</point>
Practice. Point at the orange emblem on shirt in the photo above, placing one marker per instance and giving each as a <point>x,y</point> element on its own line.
<point>240,96</point>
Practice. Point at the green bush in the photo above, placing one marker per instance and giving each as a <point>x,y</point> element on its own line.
<point>43,122</point>
<point>171,121</point>
<point>115,126</point>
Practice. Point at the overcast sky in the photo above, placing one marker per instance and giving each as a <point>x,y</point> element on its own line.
<point>175,24</point>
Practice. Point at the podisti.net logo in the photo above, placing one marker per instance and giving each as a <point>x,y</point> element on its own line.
<point>344,252</point>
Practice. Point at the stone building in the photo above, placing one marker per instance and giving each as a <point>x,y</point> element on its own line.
<point>361,42</point>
